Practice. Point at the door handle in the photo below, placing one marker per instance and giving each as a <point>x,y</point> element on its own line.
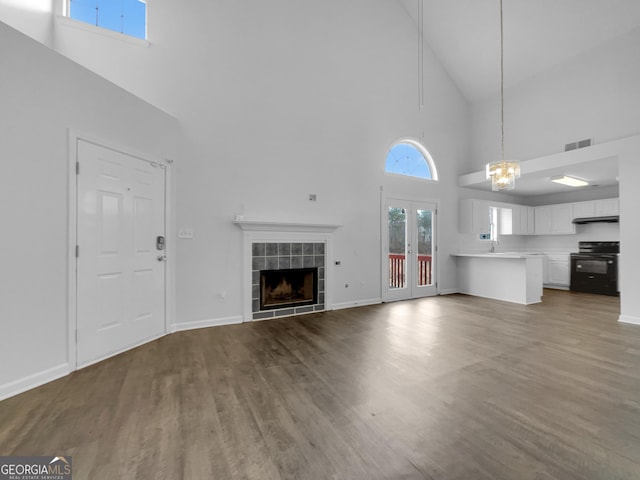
<point>162,258</point>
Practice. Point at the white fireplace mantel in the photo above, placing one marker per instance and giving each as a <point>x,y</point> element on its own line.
<point>273,226</point>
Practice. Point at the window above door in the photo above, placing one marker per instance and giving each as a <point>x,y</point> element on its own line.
<point>410,158</point>
<point>128,17</point>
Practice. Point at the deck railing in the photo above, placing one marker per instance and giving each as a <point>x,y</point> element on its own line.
<point>398,268</point>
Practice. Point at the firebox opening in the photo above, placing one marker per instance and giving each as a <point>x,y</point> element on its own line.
<point>288,288</point>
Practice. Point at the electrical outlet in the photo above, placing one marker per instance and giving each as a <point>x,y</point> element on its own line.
<point>313,197</point>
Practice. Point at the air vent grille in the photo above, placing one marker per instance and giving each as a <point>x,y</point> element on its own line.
<point>587,142</point>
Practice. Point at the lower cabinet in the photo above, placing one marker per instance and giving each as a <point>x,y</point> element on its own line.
<point>557,272</point>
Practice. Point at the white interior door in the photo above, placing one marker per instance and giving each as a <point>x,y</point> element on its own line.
<point>408,249</point>
<point>120,264</point>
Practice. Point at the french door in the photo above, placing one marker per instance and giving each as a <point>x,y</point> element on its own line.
<point>120,253</point>
<point>408,263</point>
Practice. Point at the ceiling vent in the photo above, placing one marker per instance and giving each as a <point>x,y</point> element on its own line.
<point>587,142</point>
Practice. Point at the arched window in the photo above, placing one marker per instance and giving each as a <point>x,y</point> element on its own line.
<point>409,157</point>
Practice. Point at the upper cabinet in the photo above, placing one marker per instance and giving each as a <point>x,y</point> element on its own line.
<point>584,209</point>
<point>554,219</point>
<point>524,220</point>
<point>562,219</point>
<point>596,208</point>
<point>474,216</point>
<point>609,206</point>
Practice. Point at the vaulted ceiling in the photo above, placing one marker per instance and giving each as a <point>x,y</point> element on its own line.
<point>538,34</point>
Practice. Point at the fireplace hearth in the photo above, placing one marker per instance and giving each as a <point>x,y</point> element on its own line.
<point>288,288</point>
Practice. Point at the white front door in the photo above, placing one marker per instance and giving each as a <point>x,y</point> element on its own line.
<point>120,264</point>
<point>408,249</point>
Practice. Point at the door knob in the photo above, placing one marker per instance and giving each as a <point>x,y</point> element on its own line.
<point>162,258</point>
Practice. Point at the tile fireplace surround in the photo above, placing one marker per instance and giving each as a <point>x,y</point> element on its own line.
<point>283,256</point>
<point>281,246</point>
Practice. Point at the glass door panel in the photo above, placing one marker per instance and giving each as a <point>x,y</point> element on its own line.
<point>397,247</point>
<point>424,258</point>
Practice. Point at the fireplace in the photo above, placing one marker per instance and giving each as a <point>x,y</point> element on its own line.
<point>287,278</point>
<point>288,288</point>
<point>277,245</point>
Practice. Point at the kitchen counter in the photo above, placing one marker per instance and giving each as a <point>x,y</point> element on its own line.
<point>497,254</point>
<point>510,276</point>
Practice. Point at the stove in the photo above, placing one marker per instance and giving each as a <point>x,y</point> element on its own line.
<point>594,269</point>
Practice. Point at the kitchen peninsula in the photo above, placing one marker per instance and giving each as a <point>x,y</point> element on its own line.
<point>510,276</point>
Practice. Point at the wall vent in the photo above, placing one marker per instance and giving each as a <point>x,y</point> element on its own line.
<point>587,142</point>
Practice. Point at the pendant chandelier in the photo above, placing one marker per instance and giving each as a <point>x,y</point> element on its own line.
<point>503,173</point>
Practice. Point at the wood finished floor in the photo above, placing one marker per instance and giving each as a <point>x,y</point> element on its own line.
<point>450,387</point>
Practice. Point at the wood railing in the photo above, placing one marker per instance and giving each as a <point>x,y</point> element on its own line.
<point>398,268</point>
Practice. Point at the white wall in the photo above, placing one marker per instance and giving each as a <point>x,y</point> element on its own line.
<point>43,95</point>
<point>595,95</point>
<point>278,100</point>
<point>629,231</point>
<point>31,17</point>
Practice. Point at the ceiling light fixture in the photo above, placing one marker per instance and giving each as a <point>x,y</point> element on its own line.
<point>569,181</point>
<point>502,173</point>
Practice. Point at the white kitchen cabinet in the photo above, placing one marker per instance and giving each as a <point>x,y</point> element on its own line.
<point>562,219</point>
<point>557,271</point>
<point>608,206</point>
<point>522,220</point>
<point>596,208</point>
<point>527,220</point>
<point>474,216</point>
<point>543,220</point>
<point>584,209</point>
<point>554,219</point>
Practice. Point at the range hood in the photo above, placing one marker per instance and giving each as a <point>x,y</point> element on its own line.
<point>607,219</point>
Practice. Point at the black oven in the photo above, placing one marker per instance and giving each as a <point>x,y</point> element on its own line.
<point>594,269</point>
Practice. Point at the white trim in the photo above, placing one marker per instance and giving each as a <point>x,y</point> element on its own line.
<point>72,322</point>
<point>448,291</point>
<point>216,322</point>
<point>629,319</point>
<point>72,280</point>
<point>271,226</point>
<point>357,303</point>
<point>35,380</point>
<point>105,32</point>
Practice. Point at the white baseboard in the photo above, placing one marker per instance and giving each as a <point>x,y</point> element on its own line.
<point>629,319</point>
<point>448,291</point>
<point>32,381</point>
<point>357,303</point>
<point>216,322</point>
